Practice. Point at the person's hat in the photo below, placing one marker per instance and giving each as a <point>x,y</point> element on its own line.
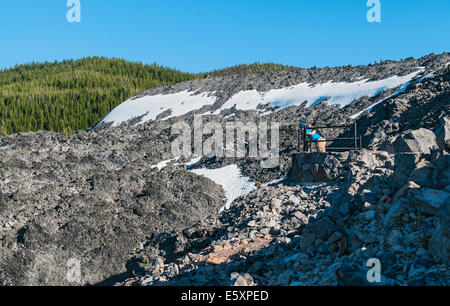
<point>303,125</point>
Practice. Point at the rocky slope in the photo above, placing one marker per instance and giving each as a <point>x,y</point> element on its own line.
<point>106,197</point>
<point>225,87</point>
<point>319,234</point>
<point>423,104</point>
<point>93,197</point>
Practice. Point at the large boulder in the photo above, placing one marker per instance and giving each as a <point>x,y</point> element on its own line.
<point>422,174</point>
<point>370,159</point>
<point>315,167</point>
<point>322,228</point>
<point>429,201</point>
<point>421,140</point>
<point>414,167</point>
<point>404,166</point>
<point>324,167</point>
<point>443,134</point>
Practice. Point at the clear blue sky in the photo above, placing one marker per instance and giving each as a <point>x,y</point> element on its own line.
<point>201,35</point>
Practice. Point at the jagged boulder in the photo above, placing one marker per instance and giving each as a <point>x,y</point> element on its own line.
<point>370,159</point>
<point>322,228</point>
<point>421,140</point>
<point>443,134</point>
<point>414,167</point>
<point>404,166</point>
<point>422,173</point>
<point>429,201</point>
<point>315,167</point>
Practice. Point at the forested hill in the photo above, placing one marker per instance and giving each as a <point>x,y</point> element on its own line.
<point>249,69</point>
<point>74,94</point>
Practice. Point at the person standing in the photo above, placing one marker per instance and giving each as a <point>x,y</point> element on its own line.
<point>315,136</point>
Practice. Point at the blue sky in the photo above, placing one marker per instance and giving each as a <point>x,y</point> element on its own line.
<point>201,35</point>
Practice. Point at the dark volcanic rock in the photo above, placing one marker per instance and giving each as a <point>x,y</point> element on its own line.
<point>322,234</point>
<point>98,198</point>
<point>316,167</point>
<point>91,198</point>
<point>421,140</point>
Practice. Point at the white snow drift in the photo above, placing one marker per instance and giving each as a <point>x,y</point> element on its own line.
<point>229,177</point>
<point>161,165</point>
<point>232,181</point>
<point>151,106</point>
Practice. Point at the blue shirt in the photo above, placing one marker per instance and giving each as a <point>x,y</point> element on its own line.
<point>313,137</point>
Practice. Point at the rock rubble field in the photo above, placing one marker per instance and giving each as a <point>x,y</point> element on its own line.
<point>133,215</point>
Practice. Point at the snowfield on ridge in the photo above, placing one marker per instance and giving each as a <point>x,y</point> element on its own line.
<point>341,93</point>
<point>150,107</point>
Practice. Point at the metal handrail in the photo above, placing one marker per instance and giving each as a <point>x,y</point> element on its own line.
<point>355,138</point>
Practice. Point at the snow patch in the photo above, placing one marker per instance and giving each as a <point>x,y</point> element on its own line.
<point>232,181</point>
<point>163,164</point>
<point>193,161</point>
<point>274,182</point>
<point>151,106</point>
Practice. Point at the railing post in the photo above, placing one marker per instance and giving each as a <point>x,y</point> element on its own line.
<point>305,144</point>
<point>356,136</point>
